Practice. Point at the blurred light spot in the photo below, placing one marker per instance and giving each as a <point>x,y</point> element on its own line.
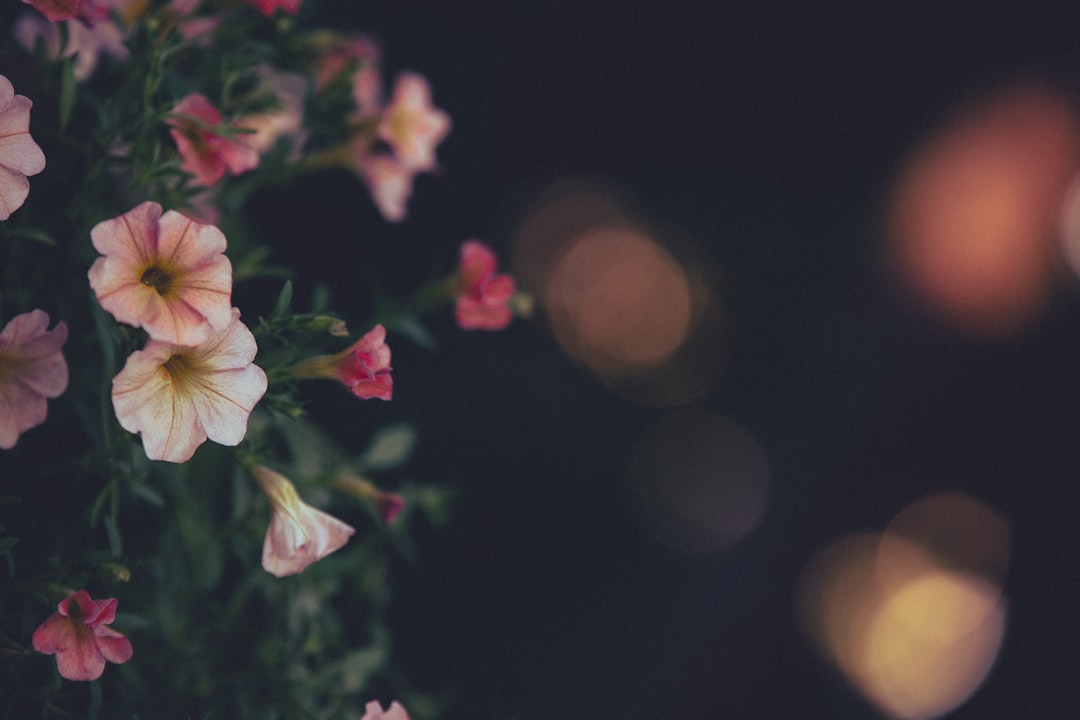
<point>701,481</point>
<point>629,301</point>
<point>954,531</point>
<point>974,216</point>
<point>618,301</point>
<point>1070,227</point>
<point>913,618</point>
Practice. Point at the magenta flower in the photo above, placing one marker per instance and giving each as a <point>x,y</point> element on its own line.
<point>363,367</point>
<point>483,296</point>
<point>267,7</point>
<point>178,397</point>
<point>298,534</point>
<point>164,273</point>
<point>19,154</point>
<point>31,370</point>
<point>411,125</point>
<point>90,11</point>
<point>373,711</point>
<point>207,149</point>
<point>80,637</point>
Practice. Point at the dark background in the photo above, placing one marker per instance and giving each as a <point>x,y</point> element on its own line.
<point>771,130</point>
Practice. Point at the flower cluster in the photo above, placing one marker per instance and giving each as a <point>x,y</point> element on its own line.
<point>161,121</point>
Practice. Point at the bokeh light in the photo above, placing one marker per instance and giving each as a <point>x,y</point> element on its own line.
<point>913,618</point>
<point>974,216</point>
<point>626,299</point>
<point>700,481</point>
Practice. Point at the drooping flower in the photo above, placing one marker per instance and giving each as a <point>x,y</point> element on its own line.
<point>90,11</point>
<point>178,397</point>
<point>284,121</point>
<point>373,711</point>
<point>80,637</point>
<point>207,149</point>
<point>483,296</point>
<point>388,179</point>
<point>31,370</point>
<point>363,367</point>
<point>19,154</point>
<point>388,505</point>
<point>164,273</point>
<point>298,534</point>
<point>267,7</point>
<point>411,125</point>
<point>86,43</point>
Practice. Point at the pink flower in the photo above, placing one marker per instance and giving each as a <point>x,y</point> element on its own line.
<point>19,154</point>
<point>389,180</point>
<point>31,370</point>
<point>483,297</point>
<point>411,125</point>
<point>363,367</point>
<point>388,505</point>
<point>86,43</point>
<point>89,10</point>
<point>373,711</point>
<point>178,397</point>
<point>206,149</point>
<point>298,534</point>
<point>267,7</point>
<point>164,273</point>
<point>284,121</point>
<point>338,53</point>
<point>80,637</point>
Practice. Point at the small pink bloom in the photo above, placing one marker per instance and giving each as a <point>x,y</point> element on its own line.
<point>339,53</point>
<point>164,273</point>
<point>363,367</point>
<point>178,397</point>
<point>80,637</point>
<point>31,370</point>
<point>19,154</point>
<point>483,296</point>
<point>207,150</point>
<point>411,125</point>
<point>267,7</point>
<point>284,121</point>
<point>373,711</point>
<point>388,505</point>
<point>89,10</point>
<point>298,534</point>
<point>86,43</point>
<point>390,182</point>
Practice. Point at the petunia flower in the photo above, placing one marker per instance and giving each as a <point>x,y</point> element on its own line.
<point>388,179</point>
<point>80,637</point>
<point>298,534</point>
<point>31,370</point>
<point>411,125</point>
<point>363,367</point>
<point>178,397</point>
<point>206,149</point>
<point>284,121</point>
<point>388,505</point>
<point>337,53</point>
<point>164,273</point>
<point>373,711</point>
<point>90,11</point>
<point>86,43</point>
<point>483,296</point>
<point>19,154</point>
<point>267,7</point>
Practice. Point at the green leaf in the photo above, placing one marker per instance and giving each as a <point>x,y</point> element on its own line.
<point>67,91</point>
<point>283,301</point>
<point>412,329</point>
<point>390,447</point>
<point>148,494</point>
<point>116,547</point>
<point>7,543</point>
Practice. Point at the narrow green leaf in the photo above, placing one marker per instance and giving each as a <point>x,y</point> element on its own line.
<point>67,91</point>
<point>116,547</point>
<point>7,543</point>
<point>391,446</point>
<point>283,301</point>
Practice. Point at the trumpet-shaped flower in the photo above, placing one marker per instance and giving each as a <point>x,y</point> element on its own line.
<point>86,43</point>
<point>389,180</point>
<point>411,125</point>
<point>178,397</point>
<point>206,149</point>
<point>374,711</point>
<point>363,367</point>
<point>164,273</point>
<point>298,534</point>
<point>80,637</point>
<point>20,156</point>
<point>31,370</point>
<point>483,296</point>
<point>284,121</point>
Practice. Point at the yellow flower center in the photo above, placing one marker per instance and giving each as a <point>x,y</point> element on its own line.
<point>178,365</point>
<point>157,278</point>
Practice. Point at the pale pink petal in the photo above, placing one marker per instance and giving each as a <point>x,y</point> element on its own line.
<point>390,183</point>
<point>113,646</point>
<point>411,125</point>
<point>226,399</point>
<point>373,711</point>
<point>32,369</point>
<point>18,150</point>
<point>14,188</point>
